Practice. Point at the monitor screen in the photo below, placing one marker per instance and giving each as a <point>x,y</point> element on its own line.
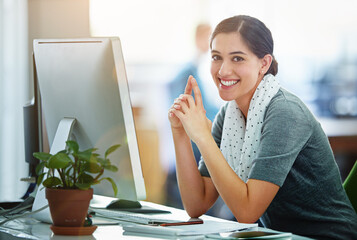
<point>85,79</point>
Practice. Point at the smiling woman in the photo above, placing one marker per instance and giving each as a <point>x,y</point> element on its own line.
<point>267,156</point>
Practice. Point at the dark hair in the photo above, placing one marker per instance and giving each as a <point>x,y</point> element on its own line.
<point>254,33</point>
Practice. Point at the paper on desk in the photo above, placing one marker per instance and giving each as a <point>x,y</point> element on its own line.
<point>207,227</point>
<point>15,233</point>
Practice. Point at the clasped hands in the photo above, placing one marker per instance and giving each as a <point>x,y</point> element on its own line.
<point>188,114</point>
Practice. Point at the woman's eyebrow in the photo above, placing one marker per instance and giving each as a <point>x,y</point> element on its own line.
<point>231,53</point>
<point>237,52</point>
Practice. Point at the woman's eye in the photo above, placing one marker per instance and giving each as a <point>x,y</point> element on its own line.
<point>237,59</point>
<point>215,57</point>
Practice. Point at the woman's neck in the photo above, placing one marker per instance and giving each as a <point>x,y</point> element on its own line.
<point>244,102</point>
<point>243,105</point>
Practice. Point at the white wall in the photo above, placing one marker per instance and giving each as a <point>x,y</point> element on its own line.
<point>56,19</point>
<point>21,21</point>
<point>13,77</point>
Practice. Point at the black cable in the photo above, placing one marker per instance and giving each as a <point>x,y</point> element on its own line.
<point>26,204</point>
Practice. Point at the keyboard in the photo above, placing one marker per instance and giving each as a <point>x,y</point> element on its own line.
<point>129,216</point>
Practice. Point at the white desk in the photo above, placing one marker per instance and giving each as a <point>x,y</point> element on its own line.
<point>33,229</point>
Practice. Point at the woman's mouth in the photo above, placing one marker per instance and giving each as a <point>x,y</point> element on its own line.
<point>228,83</point>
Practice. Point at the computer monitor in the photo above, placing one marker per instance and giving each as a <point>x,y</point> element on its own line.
<point>85,97</point>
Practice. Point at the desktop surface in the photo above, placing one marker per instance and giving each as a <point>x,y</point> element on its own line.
<point>29,228</point>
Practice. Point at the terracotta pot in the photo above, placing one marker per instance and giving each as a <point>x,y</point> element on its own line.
<point>68,207</point>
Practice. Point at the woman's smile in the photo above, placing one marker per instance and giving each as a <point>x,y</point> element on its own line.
<point>227,83</point>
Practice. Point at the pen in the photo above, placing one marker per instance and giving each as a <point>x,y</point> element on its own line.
<point>181,223</point>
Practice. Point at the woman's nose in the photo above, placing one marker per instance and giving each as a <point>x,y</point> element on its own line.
<point>225,69</point>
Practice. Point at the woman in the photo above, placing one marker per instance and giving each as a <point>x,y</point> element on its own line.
<point>266,155</point>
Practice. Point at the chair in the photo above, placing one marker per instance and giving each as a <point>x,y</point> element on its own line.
<point>350,186</point>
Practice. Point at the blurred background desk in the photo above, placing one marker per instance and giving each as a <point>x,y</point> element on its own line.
<point>342,134</point>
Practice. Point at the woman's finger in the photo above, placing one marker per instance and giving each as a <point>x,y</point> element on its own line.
<point>187,98</point>
<point>176,106</point>
<point>197,92</point>
<point>176,103</point>
<point>177,113</point>
<point>188,88</point>
<point>183,106</point>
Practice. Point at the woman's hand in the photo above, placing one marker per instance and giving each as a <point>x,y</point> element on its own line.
<point>191,113</point>
<point>175,122</point>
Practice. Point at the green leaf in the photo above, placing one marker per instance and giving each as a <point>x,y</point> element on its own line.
<point>72,146</point>
<point>85,178</point>
<point>40,178</point>
<point>42,156</point>
<point>52,182</point>
<point>39,168</point>
<point>59,160</point>
<point>93,158</point>
<point>86,155</point>
<point>111,168</point>
<point>103,162</point>
<point>111,149</point>
<point>114,186</point>
<point>83,186</point>
<point>92,167</point>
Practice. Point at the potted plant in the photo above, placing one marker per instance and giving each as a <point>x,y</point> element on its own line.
<point>68,181</point>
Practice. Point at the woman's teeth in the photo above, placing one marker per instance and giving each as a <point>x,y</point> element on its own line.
<point>228,83</point>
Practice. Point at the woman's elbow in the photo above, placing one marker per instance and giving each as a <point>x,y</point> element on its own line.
<point>194,213</point>
<point>246,217</point>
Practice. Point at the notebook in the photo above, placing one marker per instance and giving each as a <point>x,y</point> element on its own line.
<point>208,227</point>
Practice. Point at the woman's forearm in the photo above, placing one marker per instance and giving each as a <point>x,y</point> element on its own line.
<point>189,179</point>
<point>231,188</point>
<point>247,201</point>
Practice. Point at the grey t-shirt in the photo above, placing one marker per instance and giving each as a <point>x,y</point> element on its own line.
<point>295,154</point>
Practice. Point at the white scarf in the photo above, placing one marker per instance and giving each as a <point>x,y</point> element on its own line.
<point>240,141</point>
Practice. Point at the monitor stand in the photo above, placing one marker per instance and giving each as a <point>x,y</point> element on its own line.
<point>63,133</point>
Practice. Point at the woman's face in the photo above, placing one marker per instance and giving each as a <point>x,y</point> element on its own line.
<point>234,68</point>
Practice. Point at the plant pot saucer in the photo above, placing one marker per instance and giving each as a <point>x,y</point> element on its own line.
<point>77,231</point>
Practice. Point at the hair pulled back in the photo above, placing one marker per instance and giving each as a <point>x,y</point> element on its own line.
<point>254,33</point>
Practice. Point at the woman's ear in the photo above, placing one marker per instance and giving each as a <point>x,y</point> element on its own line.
<point>266,62</point>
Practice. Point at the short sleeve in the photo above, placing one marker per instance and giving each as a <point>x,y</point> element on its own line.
<point>285,132</point>
<point>217,127</point>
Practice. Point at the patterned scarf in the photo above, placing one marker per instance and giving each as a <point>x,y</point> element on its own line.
<point>240,140</point>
